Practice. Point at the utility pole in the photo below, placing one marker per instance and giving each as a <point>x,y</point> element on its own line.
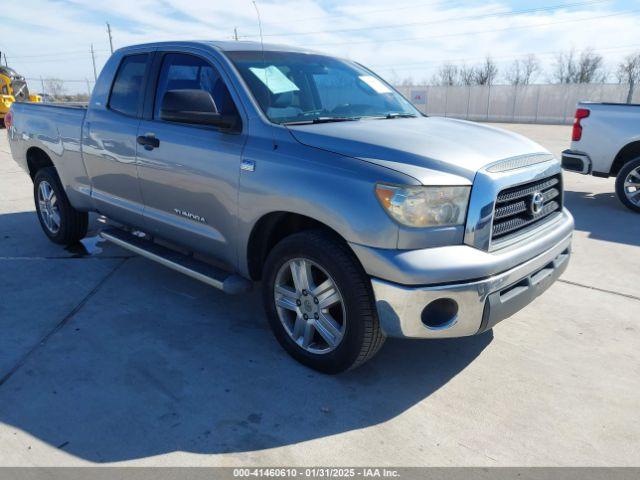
<point>6,63</point>
<point>42,85</point>
<point>110,37</point>
<point>88,88</point>
<point>235,33</point>
<point>93,58</point>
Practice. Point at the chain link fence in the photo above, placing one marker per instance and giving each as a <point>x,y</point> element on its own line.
<point>552,104</point>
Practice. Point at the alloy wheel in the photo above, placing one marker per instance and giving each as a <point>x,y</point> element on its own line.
<point>310,306</point>
<point>632,186</point>
<point>48,207</point>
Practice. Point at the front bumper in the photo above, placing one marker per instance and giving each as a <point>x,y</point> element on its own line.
<point>463,309</point>
<point>576,162</point>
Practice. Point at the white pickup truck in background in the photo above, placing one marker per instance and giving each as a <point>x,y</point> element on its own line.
<point>606,143</point>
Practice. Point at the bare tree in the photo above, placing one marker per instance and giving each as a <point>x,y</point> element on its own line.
<point>406,82</point>
<point>486,73</point>
<point>587,68</point>
<point>466,75</point>
<point>523,71</point>
<point>629,72</point>
<point>591,68</point>
<point>564,67</point>
<point>447,75</point>
<point>54,87</point>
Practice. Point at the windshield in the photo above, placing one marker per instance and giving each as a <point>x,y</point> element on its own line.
<point>305,88</point>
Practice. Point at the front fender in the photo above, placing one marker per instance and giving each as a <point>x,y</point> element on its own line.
<point>334,190</point>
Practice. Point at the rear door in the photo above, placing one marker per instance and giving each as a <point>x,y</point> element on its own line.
<point>189,176</point>
<point>109,142</point>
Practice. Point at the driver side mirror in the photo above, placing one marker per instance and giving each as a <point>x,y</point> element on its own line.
<point>193,107</point>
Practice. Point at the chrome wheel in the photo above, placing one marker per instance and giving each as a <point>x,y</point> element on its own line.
<point>48,207</point>
<point>310,306</point>
<point>632,186</point>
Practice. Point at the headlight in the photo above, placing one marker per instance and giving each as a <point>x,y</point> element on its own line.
<point>425,206</point>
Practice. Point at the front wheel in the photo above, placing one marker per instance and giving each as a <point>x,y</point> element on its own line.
<point>628,185</point>
<point>320,303</point>
<point>62,223</point>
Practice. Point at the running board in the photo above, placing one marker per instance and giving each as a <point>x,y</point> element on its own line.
<point>216,277</point>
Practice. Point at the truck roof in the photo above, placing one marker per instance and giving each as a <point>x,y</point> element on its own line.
<point>226,46</point>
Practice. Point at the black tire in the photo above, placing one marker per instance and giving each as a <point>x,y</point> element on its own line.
<point>620,179</point>
<point>362,336</point>
<point>73,223</point>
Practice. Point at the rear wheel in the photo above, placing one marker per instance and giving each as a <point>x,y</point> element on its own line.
<point>628,185</point>
<point>62,223</point>
<point>320,303</point>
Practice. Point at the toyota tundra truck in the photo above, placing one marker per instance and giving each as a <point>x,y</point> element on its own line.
<point>238,163</point>
<point>605,142</point>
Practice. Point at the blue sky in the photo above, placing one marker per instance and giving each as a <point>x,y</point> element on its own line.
<point>400,39</point>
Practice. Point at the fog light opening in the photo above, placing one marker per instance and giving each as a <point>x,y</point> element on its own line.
<point>440,314</point>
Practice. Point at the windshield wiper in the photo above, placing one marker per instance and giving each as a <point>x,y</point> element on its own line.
<point>323,120</point>
<point>399,115</point>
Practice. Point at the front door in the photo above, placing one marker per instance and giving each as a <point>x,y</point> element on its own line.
<point>189,173</point>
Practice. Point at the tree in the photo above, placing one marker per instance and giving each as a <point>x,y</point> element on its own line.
<point>54,87</point>
<point>587,68</point>
<point>590,68</point>
<point>467,75</point>
<point>447,75</point>
<point>406,82</point>
<point>486,73</point>
<point>523,71</point>
<point>629,72</point>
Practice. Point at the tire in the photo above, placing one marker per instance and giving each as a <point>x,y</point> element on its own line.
<point>69,225</point>
<point>630,171</point>
<point>355,316</point>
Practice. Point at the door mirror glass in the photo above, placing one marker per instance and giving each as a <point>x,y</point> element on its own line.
<point>193,107</point>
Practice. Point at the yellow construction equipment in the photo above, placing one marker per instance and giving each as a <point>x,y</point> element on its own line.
<point>13,88</point>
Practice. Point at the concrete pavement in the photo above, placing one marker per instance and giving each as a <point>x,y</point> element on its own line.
<point>108,358</point>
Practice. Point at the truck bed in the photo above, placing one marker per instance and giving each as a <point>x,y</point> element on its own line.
<point>55,129</point>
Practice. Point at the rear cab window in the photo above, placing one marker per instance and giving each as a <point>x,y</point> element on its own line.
<point>127,91</point>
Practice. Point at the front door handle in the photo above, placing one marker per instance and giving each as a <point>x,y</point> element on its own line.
<point>148,141</point>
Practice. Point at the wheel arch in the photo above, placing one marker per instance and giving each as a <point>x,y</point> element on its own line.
<point>626,154</point>
<point>37,159</point>
<point>273,227</point>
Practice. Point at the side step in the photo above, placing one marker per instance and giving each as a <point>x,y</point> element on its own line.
<point>216,277</point>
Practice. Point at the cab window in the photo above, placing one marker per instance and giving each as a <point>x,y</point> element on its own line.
<point>187,72</point>
<point>126,92</point>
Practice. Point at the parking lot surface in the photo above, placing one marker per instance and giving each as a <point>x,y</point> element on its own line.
<point>108,358</point>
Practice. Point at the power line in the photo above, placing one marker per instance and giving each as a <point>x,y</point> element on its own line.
<point>84,80</point>
<point>361,13</point>
<point>469,17</point>
<point>439,62</point>
<point>86,56</point>
<point>412,39</point>
<point>58,54</point>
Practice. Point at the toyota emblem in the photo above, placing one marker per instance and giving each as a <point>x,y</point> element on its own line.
<point>537,203</point>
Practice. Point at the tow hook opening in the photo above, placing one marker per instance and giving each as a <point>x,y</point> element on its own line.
<point>440,314</point>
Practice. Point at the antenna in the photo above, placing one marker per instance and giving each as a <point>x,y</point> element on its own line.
<point>266,74</point>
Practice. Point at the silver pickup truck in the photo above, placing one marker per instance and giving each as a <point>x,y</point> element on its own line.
<point>362,218</point>
<point>605,142</point>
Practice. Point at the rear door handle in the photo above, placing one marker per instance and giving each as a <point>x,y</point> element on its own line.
<point>148,141</point>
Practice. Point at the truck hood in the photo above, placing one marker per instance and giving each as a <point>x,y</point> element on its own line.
<point>430,149</point>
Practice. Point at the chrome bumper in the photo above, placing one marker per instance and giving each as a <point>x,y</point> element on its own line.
<point>470,307</point>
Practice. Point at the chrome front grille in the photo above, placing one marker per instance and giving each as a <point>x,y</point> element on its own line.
<point>525,206</point>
